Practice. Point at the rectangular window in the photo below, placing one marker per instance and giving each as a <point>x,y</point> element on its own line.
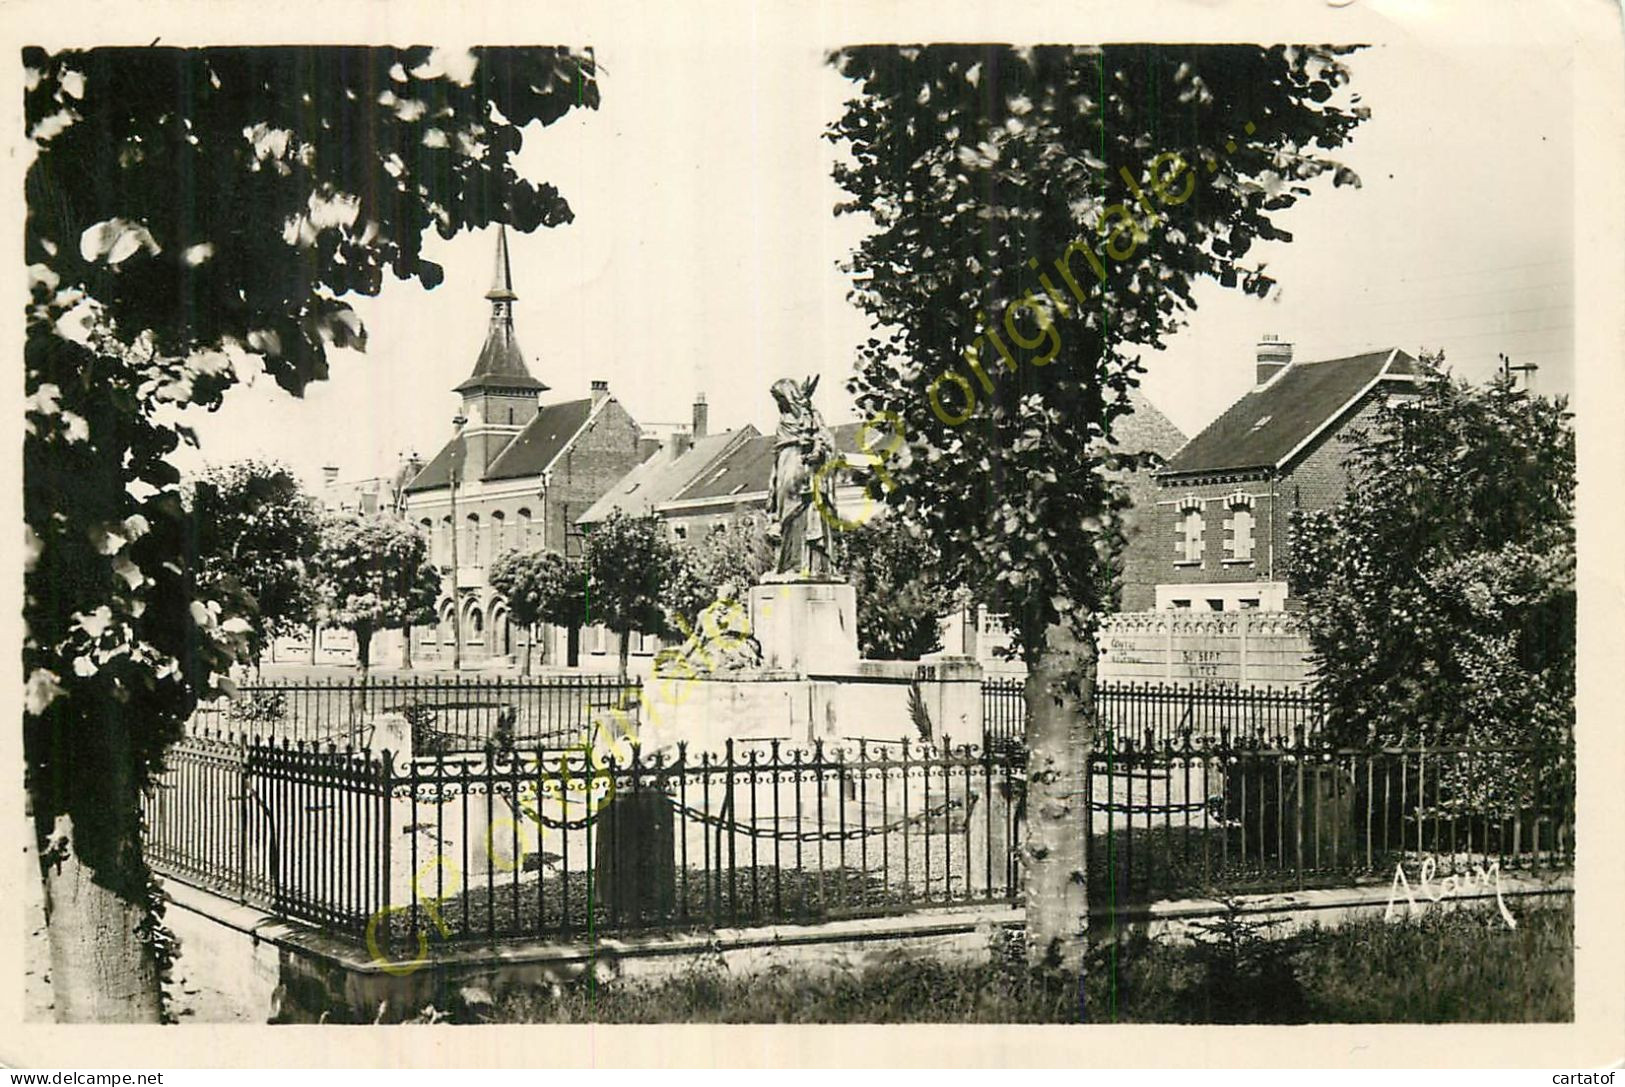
<point>1238,543</point>
<point>1189,545</point>
<point>1214,605</point>
<point>1182,603</point>
<point>1249,604</point>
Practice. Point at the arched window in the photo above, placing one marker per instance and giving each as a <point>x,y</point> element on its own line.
<point>476,625</point>
<point>521,529</point>
<point>471,541</point>
<point>427,525</point>
<point>499,534</point>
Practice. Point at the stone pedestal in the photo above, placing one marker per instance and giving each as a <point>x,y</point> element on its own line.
<point>808,627</point>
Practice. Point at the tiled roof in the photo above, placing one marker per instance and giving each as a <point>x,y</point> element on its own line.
<point>531,450</point>
<point>646,486</point>
<point>437,472</point>
<point>747,468</point>
<point>1147,430</point>
<point>1270,422</point>
<point>541,441</point>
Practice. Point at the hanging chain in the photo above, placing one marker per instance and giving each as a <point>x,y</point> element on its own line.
<point>753,831</point>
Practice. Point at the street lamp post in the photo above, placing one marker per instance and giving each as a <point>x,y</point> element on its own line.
<point>454,466</point>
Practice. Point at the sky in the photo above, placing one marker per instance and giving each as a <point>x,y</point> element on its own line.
<point>705,257</point>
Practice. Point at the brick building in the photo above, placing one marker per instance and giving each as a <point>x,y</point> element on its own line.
<point>523,472</point>
<point>1219,541</point>
<point>1145,431</point>
<point>698,483</point>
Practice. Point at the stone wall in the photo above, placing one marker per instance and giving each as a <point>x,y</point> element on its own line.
<point>1242,647</point>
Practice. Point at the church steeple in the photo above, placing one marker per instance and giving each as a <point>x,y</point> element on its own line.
<point>502,277</point>
<point>501,366</point>
<point>499,397</point>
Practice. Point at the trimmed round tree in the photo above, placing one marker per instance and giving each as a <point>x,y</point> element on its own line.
<point>374,574</point>
<point>632,568</point>
<point>254,525</point>
<point>540,587</point>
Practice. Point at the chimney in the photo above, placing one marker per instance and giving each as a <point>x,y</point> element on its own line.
<point>702,416</point>
<point>330,474</point>
<point>678,443</point>
<point>1273,356</point>
<point>600,390</point>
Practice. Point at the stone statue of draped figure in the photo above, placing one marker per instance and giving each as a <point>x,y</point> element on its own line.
<point>803,446</point>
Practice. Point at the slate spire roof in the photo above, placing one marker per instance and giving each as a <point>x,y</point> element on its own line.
<point>501,364</point>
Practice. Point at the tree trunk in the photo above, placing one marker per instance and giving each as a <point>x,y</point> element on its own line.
<point>363,662</point>
<point>625,652</point>
<point>1059,737</point>
<point>101,970</point>
<point>315,633</point>
<point>406,648</point>
<point>95,883</point>
<point>530,640</point>
<point>363,650</point>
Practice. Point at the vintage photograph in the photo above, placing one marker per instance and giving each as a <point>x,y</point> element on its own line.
<point>869,532</point>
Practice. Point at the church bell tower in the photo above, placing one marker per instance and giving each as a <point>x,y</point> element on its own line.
<point>500,396</point>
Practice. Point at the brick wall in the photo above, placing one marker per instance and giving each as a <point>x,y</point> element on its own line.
<point>1141,566</point>
<point>1161,550</point>
<point>1315,480</point>
<point>594,463</point>
<point>1318,479</point>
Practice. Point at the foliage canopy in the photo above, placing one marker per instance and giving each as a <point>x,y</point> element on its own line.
<point>374,573</point>
<point>1440,591</point>
<point>632,568</point>
<point>980,166</point>
<point>254,525</point>
<point>901,597</point>
<point>541,587</point>
<point>193,215</point>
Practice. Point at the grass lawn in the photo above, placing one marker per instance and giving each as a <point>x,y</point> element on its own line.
<point>1465,966</point>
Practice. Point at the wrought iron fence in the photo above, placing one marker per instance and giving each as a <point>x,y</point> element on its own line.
<point>1176,819</point>
<point>1158,712</point>
<point>572,843</point>
<point>300,831</point>
<point>462,714</point>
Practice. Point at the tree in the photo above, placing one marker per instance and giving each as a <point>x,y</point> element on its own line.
<point>374,574</point>
<point>1056,204</point>
<point>901,600</point>
<point>722,564</point>
<point>1439,592</point>
<point>540,587</point>
<point>632,567</point>
<point>193,214</point>
<point>254,525</point>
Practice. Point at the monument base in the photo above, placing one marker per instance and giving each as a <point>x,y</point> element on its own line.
<point>808,627</point>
